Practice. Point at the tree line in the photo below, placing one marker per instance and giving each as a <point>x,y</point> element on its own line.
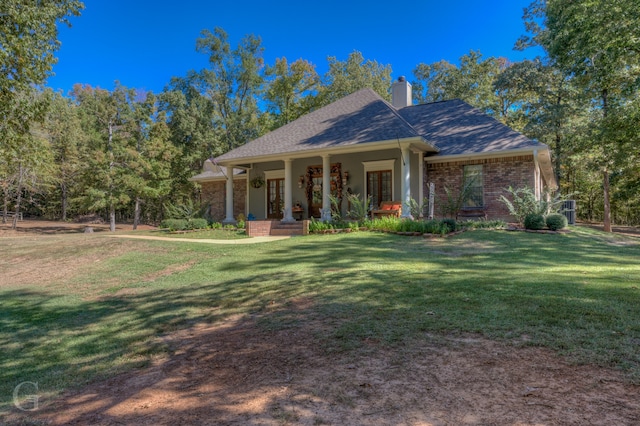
<point>125,154</point>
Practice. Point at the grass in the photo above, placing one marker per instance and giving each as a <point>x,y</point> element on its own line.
<point>209,234</point>
<point>576,293</point>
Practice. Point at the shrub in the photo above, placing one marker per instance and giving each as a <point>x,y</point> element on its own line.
<point>556,221</point>
<point>174,224</point>
<point>198,223</point>
<point>359,208</point>
<point>484,224</point>
<point>450,224</point>
<point>534,221</point>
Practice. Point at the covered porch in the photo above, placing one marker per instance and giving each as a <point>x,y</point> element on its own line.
<point>297,188</point>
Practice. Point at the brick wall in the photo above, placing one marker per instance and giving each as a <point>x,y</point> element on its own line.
<point>497,174</point>
<point>214,194</point>
<point>258,228</point>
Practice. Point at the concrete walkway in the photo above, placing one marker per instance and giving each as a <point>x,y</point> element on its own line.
<point>251,240</point>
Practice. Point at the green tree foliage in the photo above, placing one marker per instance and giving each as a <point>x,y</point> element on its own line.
<point>346,77</point>
<point>472,81</point>
<point>28,41</point>
<point>291,90</point>
<point>596,43</point>
<point>67,141</point>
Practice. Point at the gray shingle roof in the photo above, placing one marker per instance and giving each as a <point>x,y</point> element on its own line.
<point>454,127</point>
<point>359,118</point>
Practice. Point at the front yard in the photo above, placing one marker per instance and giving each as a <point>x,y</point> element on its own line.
<point>76,309</point>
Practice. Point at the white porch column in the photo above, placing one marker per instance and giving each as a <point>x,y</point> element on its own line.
<point>405,187</point>
<point>229,199</point>
<point>288,192</point>
<point>421,181</point>
<point>326,188</point>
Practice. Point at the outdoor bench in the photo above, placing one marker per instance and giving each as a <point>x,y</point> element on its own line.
<point>387,208</point>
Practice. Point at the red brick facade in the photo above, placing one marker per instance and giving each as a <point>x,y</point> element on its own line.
<point>214,193</point>
<point>497,175</point>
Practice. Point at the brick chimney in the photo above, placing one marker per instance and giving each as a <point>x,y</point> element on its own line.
<point>401,93</point>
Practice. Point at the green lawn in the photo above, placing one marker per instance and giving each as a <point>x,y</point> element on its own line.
<point>576,293</point>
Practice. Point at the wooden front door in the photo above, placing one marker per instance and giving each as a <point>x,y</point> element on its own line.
<point>275,198</point>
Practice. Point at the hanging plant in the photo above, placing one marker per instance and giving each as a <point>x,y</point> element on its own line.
<point>257,182</point>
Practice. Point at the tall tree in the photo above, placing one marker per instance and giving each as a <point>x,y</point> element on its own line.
<point>291,90</point>
<point>150,155</point>
<point>547,107</point>
<point>107,118</point>
<point>67,141</point>
<point>597,43</point>
<point>233,83</point>
<point>472,81</point>
<point>28,41</point>
<point>346,77</point>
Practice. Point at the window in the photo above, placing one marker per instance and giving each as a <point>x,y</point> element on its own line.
<point>379,181</point>
<point>379,186</point>
<point>473,186</point>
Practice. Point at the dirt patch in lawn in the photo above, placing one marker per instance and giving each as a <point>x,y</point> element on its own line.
<point>51,227</point>
<point>239,373</point>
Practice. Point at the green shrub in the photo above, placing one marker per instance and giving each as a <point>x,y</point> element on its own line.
<point>198,223</point>
<point>484,224</point>
<point>534,221</point>
<point>450,224</point>
<point>174,224</point>
<point>556,221</point>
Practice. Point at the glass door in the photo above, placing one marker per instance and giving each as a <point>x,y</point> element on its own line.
<point>275,200</point>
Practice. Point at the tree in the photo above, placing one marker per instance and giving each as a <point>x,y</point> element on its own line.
<point>291,91</point>
<point>473,82</point>
<point>346,77</point>
<point>108,122</point>
<point>596,43</point>
<point>67,141</point>
<point>547,107</point>
<point>151,153</point>
<point>28,41</point>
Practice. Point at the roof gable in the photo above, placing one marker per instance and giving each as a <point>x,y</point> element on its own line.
<point>456,128</point>
<point>360,118</point>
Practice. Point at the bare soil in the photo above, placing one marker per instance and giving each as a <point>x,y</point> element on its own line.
<point>51,227</point>
<point>239,373</point>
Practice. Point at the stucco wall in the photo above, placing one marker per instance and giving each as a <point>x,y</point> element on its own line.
<point>497,173</point>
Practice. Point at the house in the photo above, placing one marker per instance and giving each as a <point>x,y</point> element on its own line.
<point>365,145</point>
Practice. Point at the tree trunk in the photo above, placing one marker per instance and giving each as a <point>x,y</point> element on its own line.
<point>112,217</point>
<point>63,201</point>
<point>5,205</point>
<point>16,213</point>
<point>607,206</point>
<point>136,214</point>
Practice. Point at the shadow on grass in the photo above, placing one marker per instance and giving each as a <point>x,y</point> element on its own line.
<point>360,288</point>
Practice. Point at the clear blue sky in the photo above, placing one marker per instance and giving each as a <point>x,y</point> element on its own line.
<point>144,43</point>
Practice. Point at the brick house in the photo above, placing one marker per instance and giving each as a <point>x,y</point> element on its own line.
<point>389,151</point>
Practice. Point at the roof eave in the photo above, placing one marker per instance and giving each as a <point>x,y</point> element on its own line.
<point>416,143</point>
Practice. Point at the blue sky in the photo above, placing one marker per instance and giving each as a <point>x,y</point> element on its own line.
<point>144,43</point>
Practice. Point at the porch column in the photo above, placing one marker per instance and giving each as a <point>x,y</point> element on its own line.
<point>288,192</point>
<point>229,219</point>
<point>326,188</point>
<point>405,187</point>
<point>421,181</point>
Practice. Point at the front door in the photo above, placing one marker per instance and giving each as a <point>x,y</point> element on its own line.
<point>275,198</point>
<point>314,187</point>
